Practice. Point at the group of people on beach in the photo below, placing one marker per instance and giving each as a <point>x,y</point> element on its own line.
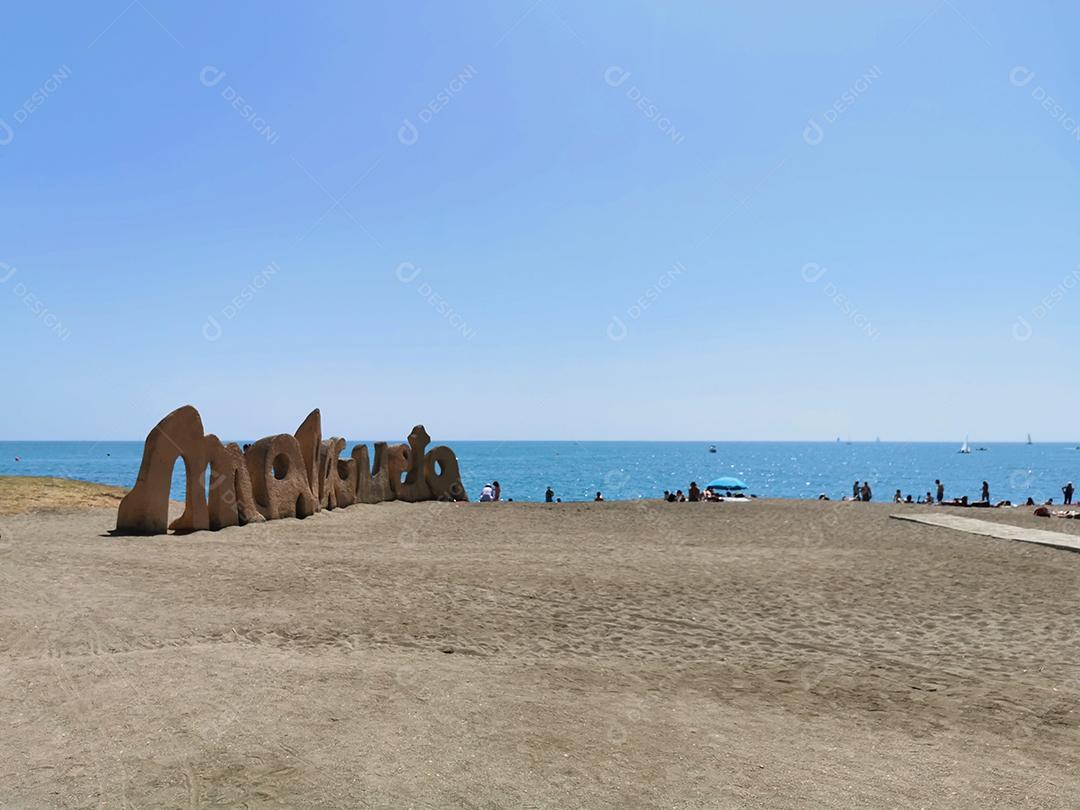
<point>492,493</point>
<point>862,492</point>
<point>695,494</point>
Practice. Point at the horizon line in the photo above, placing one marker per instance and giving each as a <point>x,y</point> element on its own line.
<point>1075,442</point>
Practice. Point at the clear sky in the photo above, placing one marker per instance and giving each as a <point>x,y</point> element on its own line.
<point>541,219</point>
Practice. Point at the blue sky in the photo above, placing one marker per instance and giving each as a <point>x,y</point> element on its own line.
<point>524,219</point>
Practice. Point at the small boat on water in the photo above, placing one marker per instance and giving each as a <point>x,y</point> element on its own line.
<point>712,448</point>
<point>964,447</point>
<point>1029,441</point>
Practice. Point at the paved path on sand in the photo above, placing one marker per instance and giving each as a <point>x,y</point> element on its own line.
<point>1000,530</point>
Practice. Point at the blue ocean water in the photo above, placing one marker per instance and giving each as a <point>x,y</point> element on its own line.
<point>626,470</point>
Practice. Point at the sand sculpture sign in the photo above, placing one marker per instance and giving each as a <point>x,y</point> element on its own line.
<point>280,476</point>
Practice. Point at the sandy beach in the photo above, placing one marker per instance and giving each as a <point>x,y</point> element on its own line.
<point>628,300</point>
<point>781,654</point>
<point>29,493</point>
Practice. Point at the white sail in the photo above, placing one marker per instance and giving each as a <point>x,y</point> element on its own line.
<point>964,447</point>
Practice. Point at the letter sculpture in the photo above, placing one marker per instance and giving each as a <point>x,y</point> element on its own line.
<point>288,475</point>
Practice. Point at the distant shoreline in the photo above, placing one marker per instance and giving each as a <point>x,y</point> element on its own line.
<point>1071,443</point>
<point>631,471</point>
<point>20,494</point>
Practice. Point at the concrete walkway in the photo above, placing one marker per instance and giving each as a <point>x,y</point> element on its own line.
<point>1002,531</point>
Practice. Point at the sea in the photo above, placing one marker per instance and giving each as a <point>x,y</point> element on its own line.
<point>576,471</point>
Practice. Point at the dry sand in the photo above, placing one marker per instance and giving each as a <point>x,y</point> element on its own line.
<point>776,654</point>
<point>26,493</point>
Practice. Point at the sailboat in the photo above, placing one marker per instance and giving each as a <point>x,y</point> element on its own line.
<point>1029,439</point>
<point>964,447</point>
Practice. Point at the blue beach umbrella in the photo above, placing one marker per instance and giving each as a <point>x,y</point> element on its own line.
<point>730,484</point>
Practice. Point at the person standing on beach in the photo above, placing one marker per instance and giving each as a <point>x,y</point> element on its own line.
<point>549,496</point>
<point>940,490</point>
<point>867,495</point>
<point>985,495</point>
<point>855,491</point>
<point>498,490</point>
<point>1067,491</point>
